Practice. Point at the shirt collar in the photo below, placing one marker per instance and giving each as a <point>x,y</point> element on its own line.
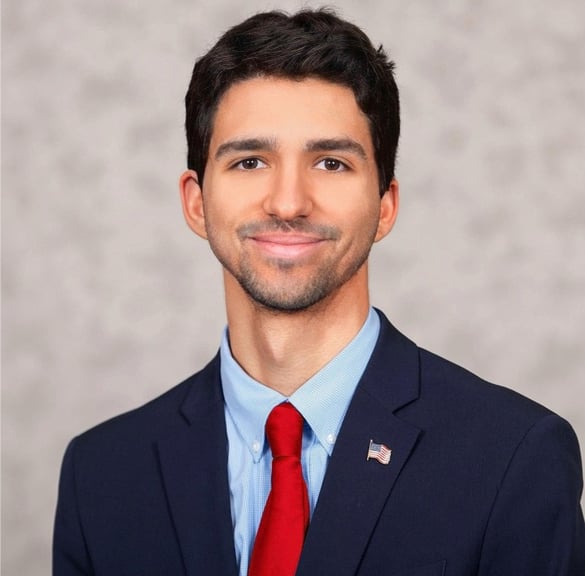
<point>322,400</point>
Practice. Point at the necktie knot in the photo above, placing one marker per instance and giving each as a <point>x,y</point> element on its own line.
<point>284,431</point>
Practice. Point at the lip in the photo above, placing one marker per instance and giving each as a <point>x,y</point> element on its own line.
<point>287,245</point>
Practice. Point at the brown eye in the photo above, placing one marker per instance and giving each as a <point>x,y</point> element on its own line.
<point>250,164</point>
<point>332,165</point>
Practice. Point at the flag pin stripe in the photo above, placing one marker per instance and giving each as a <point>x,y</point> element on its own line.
<point>379,452</point>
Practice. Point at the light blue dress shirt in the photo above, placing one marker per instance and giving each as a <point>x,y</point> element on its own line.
<point>323,401</point>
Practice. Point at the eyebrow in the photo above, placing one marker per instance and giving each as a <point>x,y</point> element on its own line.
<point>245,145</point>
<point>270,145</point>
<point>336,144</point>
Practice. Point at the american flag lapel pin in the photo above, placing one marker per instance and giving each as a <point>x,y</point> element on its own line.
<point>379,452</point>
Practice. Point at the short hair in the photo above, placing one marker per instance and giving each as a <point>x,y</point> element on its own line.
<point>308,44</point>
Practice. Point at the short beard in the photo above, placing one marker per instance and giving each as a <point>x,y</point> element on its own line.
<point>324,283</point>
<point>326,280</point>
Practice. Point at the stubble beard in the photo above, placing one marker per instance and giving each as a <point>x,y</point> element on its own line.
<point>296,295</point>
<point>291,293</point>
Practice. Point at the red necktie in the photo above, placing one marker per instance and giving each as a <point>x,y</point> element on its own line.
<point>285,519</point>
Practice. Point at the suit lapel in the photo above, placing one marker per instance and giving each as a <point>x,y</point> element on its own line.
<point>193,462</point>
<point>194,469</point>
<point>355,489</point>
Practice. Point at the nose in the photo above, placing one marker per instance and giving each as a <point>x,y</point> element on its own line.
<point>289,196</point>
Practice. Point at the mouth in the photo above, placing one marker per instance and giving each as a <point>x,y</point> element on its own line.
<point>286,245</point>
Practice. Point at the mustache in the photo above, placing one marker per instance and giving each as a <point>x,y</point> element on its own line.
<point>298,225</point>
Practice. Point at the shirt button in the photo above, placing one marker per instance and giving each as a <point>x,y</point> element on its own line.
<point>331,438</point>
<point>256,446</point>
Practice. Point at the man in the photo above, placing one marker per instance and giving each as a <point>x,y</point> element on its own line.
<point>400,462</point>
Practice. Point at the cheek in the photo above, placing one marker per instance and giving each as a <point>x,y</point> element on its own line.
<point>216,206</point>
<point>349,193</point>
<point>231,199</point>
<point>365,221</point>
<point>356,211</point>
<point>215,222</point>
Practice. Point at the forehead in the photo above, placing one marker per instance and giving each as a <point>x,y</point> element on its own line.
<point>289,112</point>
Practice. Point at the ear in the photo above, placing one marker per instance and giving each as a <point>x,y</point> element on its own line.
<point>192,201</point>
<point>388,210</point>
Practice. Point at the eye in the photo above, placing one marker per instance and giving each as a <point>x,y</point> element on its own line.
<point>332,165</point>
<point>250,164</point>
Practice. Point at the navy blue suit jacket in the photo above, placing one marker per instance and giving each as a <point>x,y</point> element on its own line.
<point>481,482</point>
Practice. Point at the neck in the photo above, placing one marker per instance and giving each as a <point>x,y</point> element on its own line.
<point>282,350</point>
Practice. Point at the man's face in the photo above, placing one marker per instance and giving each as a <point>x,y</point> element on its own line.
<point>290,200</point>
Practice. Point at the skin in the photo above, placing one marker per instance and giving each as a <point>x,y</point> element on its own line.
<point>290,206</point>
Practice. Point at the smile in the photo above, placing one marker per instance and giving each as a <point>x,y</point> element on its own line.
<point>286,245</point>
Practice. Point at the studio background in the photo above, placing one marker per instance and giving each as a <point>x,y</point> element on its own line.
<point>109,299</point>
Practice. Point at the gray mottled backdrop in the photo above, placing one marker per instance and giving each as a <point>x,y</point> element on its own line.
<point>109,299</point>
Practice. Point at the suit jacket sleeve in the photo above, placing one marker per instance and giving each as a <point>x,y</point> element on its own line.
<point>70,555</point>
<point>536,525</point>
